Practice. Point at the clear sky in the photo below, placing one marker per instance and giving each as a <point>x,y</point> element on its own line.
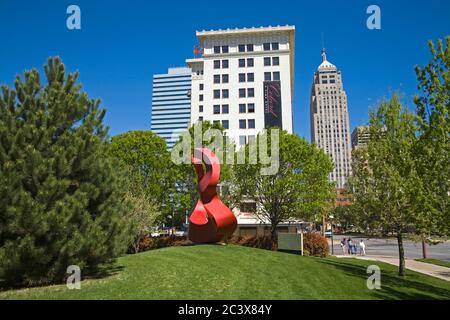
<point>121,44</point>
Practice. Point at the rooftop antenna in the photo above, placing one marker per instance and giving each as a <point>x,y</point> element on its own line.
<point>324,55</point>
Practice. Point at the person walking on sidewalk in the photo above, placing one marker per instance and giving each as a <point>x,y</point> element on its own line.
<point>362,248</point>
<point>343,245</point>
<point>350,246</point>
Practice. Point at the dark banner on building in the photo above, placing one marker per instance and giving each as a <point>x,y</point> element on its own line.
<point>272,104</point>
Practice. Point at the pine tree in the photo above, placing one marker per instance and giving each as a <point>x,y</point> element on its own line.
<point>61,198</point>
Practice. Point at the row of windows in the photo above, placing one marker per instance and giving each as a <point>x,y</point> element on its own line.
<point>247,47</point>
<point>247,124</point>
<point>225,93</point>
<point>224,109</point>
<point>249,77</point>
<point>243,124</point>
<point>248,62</point>
<point>243,139</point>
<point>244,77</point>
<point>269,76</point>
<point>224,78</point>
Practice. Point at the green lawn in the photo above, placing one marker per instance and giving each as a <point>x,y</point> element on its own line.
<point>234,272</point>
<point>437,262</point>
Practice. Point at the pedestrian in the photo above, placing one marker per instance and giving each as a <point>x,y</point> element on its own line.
<point>350,246</point>
<point>362,248</point>
<point>343,245</point>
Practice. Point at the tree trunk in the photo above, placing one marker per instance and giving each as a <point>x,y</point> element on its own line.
<point>401,254</point>
<point>323,226</point>
<point>273,233</point>
<point>424,247</point>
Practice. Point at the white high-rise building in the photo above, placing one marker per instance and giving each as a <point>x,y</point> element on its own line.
<point>171,104</point>
<point>360,136</point>
<point>244,80</point>
<point>330,128</point>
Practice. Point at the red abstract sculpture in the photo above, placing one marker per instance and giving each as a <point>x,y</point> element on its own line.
<point>211,220</point>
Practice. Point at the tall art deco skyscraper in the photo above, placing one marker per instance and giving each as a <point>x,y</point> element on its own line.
<point>330,128</point>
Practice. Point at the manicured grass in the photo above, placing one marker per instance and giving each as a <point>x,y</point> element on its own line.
<point>234,272</point>
<point>437,262</point>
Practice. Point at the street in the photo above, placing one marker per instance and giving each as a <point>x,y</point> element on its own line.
<point>388,247</point>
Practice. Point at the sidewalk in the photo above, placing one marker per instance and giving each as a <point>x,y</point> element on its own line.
<point>422,267</point>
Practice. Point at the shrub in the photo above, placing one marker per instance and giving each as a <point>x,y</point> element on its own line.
<point>314,244</point>
<point>152,243</point>
<point>261,242</point>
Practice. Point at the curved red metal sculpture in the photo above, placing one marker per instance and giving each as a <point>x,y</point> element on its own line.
<point>211,220</point>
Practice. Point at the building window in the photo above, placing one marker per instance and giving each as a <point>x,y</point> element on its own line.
<point>266,61</point>
<point>250,47</point>
<point>225,49</point>
<point>217,78</point>
<point>241,48</point>
<point>216,122</point>
<point>225,124</point>
<point>216,64</point>
<point>266,46</point>
<point>241,63</point>
<point>200,108</point>
<point>250,62</point>
<point>275,61</point>
<point>225,94</point>
<point>200,86</point>
<point>216,94</point>
<point>225,108</point>
<point>225,64</point>
<point>276,76</point>
<point>251,139</point>
<point>200,118</point>
<point>200,97</point>
<point>275,46</point>
<point>267,76</point>
<point>242,141</point>
<point>250,92</point>
<point>241,108</point>
<point>216,49</point>
<point>242,124</point>
<point>216,109</point>
<point>251,108</point>
<point>241,77</point>
<point>224,78</point>
<point>250,77</point>
<point>251,123</point>
<point>241,93</point>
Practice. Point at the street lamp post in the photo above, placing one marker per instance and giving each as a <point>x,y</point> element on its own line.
<point>332,234</point>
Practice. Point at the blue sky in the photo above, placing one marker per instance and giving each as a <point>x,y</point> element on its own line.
<point>123,43</point>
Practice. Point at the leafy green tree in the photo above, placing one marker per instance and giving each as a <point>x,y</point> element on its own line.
<point>143,215</point>
<point>345,216</point>
<point>299,188</point>
<point>61,198</point>
<point>386,186</point>
<point>146,156</point>
<point>433,150</point>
